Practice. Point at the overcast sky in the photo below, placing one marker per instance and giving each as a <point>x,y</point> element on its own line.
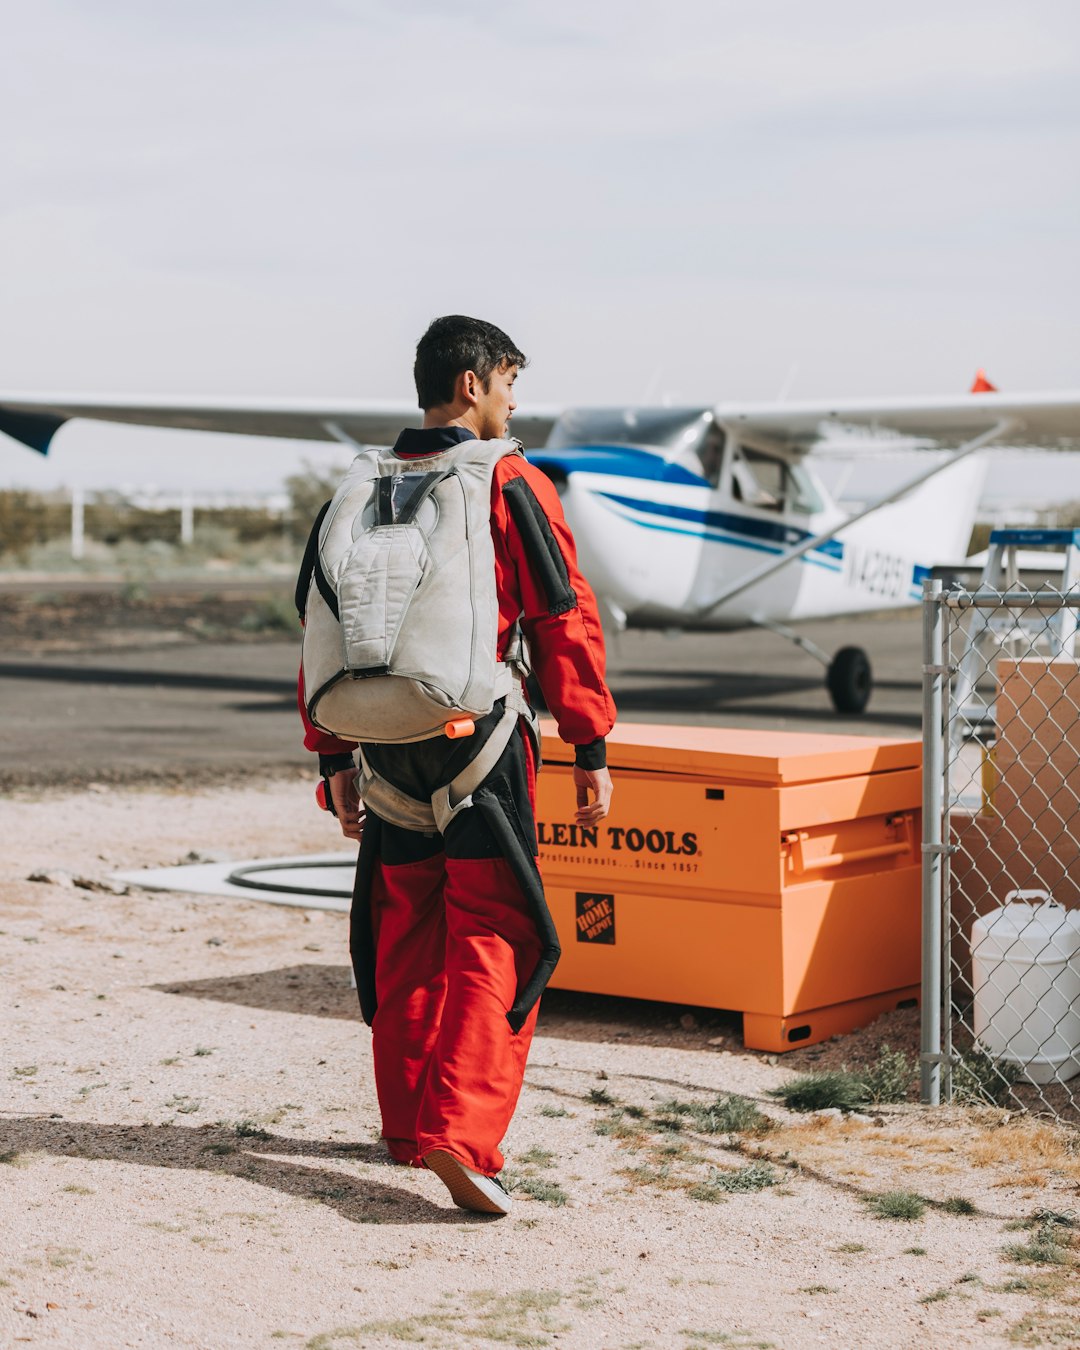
<point>697,199</point>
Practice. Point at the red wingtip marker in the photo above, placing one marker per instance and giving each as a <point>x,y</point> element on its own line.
<point>461,726</point>
<point>982,385</point>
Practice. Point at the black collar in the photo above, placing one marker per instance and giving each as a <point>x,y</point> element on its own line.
<point>414,442</point>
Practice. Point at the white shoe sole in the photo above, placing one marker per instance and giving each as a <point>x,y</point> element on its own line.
<point>468,1189</point>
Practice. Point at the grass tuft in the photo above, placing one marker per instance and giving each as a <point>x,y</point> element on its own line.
<point>833,1088</point>
<point>753,1177</point>
<point>726,1115</point>
<point>554,1112</point>
<point>980,1080</point>
<point>1043,1248</point>
<point>251,1129</point>
<point>615,1126</point>
<point>889,1079</point>
<point>958,1204</point>
<point>904,1205</point>
<point>537,1157</point>
<point>539,1188</point>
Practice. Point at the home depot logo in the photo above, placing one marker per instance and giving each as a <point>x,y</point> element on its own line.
<point>595,917</point>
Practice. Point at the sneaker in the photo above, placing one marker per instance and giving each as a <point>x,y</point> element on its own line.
<point>468,1189</point>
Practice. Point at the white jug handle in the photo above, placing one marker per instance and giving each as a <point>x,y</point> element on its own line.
<point>1036,894</point>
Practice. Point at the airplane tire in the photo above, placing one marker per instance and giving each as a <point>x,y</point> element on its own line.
<point>850,680</point>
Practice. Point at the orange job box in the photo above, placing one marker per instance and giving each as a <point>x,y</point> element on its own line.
<point>774,873</point>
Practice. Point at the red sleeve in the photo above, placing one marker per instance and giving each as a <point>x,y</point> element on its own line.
<point>566,647</point>
<point>314,739</point>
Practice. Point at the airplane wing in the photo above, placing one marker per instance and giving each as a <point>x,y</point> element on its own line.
<point>1044,421</point>
<point>1041,421</point>
<point>34,419</point>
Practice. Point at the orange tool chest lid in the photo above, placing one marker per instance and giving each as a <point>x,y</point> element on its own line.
<point>771,758</point>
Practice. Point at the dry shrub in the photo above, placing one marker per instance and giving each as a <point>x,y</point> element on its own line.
<point>1027,1144</point>
<point>1023,1180</point>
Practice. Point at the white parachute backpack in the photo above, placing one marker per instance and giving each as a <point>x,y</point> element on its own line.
<point>401,617</point>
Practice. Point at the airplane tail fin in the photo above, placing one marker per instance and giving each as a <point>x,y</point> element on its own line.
<point>934,521</point>
<point>982,385</point>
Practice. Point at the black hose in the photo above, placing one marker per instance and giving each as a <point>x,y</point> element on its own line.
<point>241,876</point>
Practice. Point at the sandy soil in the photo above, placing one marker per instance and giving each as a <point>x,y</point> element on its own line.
<point>189,1152</point>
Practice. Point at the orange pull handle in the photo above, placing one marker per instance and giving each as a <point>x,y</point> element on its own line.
<point>461,726</point>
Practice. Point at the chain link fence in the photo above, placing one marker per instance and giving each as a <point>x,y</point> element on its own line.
<point>1001,854</point>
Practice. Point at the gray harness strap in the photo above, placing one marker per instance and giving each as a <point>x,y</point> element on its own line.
<point>398,808</point>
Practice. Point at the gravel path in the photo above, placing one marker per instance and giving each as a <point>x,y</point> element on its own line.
<point>189,1153</point>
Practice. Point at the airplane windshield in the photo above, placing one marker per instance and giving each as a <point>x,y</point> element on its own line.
<point>672,431</point>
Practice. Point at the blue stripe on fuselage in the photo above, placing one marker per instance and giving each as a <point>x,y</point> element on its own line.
<point>763,532</point>
<point>617,461</point>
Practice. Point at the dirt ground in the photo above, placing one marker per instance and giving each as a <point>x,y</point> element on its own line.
<point>189,1149</point>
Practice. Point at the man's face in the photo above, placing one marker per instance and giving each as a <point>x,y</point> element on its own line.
<point>495,404</point>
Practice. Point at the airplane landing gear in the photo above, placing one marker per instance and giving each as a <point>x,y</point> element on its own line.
<point>848,676</point>
<point>850,680</point>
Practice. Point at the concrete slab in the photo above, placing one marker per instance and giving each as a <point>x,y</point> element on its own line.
<point>322,881</point>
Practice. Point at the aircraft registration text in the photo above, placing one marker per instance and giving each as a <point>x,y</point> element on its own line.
<point>869,569</point>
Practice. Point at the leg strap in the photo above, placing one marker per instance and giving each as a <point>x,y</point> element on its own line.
<point>361,938</point>
<point>527,874</point>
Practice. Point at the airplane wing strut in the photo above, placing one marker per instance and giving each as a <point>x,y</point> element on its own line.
<point>775,564</point>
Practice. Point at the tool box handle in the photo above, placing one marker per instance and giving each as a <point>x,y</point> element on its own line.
<point>796,838</point>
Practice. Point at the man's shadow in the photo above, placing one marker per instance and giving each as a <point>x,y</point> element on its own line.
<point>245,1152</point>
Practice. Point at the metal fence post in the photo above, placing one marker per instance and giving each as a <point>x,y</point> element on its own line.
<point>932,848</point>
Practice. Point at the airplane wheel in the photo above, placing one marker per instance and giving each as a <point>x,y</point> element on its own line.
<point>850,680</point>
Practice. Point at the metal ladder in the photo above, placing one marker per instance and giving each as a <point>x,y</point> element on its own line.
<point>992,633</point>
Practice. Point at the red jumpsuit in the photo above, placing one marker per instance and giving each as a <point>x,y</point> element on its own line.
<point>454,937</point>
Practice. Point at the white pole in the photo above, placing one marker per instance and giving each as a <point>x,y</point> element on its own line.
<point>187,519</point>
<point>77,536</point>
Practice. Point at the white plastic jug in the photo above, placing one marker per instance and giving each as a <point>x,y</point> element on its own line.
<point>1025,972</point>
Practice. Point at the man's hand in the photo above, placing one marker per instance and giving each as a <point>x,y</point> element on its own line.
<point>598,782</point>
<point>347,804</point>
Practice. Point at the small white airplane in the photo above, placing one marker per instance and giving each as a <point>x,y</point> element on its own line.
<point>707,517</point>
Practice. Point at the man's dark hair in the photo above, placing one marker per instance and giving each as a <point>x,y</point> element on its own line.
<point>456,343</point>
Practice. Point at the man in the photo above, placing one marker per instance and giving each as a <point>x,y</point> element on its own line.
<point>451,939</point>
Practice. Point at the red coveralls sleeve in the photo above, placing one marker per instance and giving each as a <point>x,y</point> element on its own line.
<point>567,647</point>
<point>314,739</point>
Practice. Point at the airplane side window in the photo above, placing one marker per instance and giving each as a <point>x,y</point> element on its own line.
<point>802,495</point>
<point>758,479</point>
<point>773,484</point>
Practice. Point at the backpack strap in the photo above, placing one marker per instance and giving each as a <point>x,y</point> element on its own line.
<point>309,564</point>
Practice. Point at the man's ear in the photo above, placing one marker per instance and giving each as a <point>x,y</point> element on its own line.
<point>468,388</point>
